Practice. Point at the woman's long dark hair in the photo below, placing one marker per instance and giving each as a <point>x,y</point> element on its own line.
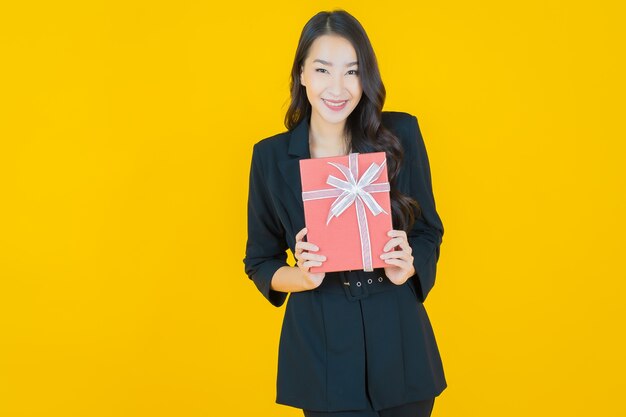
<point>364,125</point>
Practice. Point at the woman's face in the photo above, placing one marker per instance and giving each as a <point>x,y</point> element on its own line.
<point>330,76</point>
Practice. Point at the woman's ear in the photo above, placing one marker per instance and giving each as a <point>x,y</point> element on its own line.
<point>301,77</point>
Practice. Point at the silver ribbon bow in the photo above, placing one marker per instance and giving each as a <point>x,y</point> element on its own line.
<point>351,191</point>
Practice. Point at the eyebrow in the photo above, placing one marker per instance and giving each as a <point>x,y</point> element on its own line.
<point>349,64</point>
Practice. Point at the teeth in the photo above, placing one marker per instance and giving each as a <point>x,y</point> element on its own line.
<point>335,105</point>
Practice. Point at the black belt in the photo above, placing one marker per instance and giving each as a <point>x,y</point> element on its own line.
<point>356,284</point>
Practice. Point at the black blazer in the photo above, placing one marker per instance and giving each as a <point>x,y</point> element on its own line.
<point>333,347</point>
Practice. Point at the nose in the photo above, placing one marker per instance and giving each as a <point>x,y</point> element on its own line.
<point>337,85</point>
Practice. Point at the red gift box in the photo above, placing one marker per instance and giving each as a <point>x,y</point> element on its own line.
<point>347,210</point>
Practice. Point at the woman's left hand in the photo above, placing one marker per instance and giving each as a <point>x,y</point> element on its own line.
<point>400,261</point>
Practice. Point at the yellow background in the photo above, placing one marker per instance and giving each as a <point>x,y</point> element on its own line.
<point>126,131</point>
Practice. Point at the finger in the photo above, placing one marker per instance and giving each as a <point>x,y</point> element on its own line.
<point>397,233</point>
<point>312,256</point>
<point>402,244</point>
<point>306,265</point>
<point>397,254</point>
<point>392,243</point>
<point>301,234</point>
<point>406,247</point>
<point>300,264</point>
<point>306,246</point>
<point>398,262</point>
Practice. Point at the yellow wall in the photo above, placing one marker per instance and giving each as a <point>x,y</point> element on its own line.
<point>125,139</point>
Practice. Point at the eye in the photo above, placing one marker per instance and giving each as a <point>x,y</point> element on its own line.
<point>356,72</point>
<point>320,69</point>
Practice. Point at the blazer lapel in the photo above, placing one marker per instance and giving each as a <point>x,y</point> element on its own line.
<point>290,167</point>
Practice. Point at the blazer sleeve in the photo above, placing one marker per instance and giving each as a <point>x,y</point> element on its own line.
<point>266,245</point>
<point>426,235</point>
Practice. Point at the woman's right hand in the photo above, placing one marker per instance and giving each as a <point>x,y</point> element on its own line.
<point>306,259</point>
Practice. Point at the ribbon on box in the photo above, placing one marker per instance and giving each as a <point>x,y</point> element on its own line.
<point>350,192</point>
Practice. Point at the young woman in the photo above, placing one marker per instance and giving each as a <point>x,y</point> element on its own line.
<point>353,343</point>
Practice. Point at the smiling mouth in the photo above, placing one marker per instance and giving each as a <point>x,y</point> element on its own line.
<point>334,103</point>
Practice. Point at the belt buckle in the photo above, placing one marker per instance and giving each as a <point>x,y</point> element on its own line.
<point>347,286</point>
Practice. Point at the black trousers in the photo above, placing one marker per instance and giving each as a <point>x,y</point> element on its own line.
<point>416,409</point>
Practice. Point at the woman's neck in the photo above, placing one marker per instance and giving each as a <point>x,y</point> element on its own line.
<point>327,139</point>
